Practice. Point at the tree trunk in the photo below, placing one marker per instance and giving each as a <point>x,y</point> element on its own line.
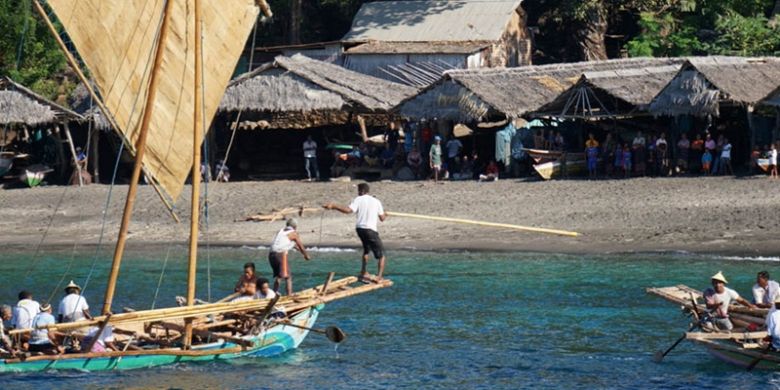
<point>590,35</point>
<point>295,21</point>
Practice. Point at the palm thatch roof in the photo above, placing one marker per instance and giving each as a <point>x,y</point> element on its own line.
<point>19,105</point>
<point>302,84</point>
<point>611,93</point>
<point>773,99</point>
<point>705,83</point>
<point>476,94</point>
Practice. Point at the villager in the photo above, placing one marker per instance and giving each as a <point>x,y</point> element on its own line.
<point>639,140</point>
<point>387,156</point>
<point>539,140</point>
<point>391,136</point>
<point>765,291</point>
<point>104,342</point>
<point>369,212</point>
<point>285,240</point>
<point>310,155</point>
<point>560,143</point>
<point>435,158</point>
<point>592,153</point>
<point>725,158</point>
<point>454,147</point>
<point>697,150</point>
<point>205,172</point>
<point>247,276</point>
<point>491,172</point>
<point>662,149</point>
<point>248,291</point>
<point>626,161</point>
<point>223,172</point>
<point>683,148</point>
<point>718,298</point>
<point>73,306</point>
<point>264,290</point>
<point>41,339</point>
<point>608,154</point>
<point>6,315</point>
<point>773,327</point>
<point>706,162</point>
<point>414,159</point>
<point>24,312</point>
<point>773,161</point>
<point>716,157</point>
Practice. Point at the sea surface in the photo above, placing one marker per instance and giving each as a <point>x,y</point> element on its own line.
<point>452,320</point>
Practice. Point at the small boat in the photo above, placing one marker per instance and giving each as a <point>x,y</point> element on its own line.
<point>34,174</point>
<point>554,169</point>
<point>742,346</point>
<point>541,156</point>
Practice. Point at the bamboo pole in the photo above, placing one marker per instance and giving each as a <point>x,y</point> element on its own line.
<point>73,153</point>
<point>95,156</point>
<point>488,224</point>
<point>195,201</point>
<point>140,148</point>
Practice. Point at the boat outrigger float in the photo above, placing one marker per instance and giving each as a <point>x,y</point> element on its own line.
<point>743,346</point>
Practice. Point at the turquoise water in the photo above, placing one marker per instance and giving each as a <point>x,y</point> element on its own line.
<point>452,320</point>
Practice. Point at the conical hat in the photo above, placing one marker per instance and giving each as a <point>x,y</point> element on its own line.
<point>72,285</point>
<point>719,277</point>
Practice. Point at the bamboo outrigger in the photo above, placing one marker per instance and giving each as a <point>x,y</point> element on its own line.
<point>743,346</point>
<point>195,332</point>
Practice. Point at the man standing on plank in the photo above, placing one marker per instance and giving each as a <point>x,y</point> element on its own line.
<point>284,241</point>
<point>369,212</point>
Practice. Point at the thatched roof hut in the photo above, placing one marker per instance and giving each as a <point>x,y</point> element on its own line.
<point>704,84</point>
<point>300,92</point>
<point>21,106</point>
<point>611,93</point>
<point>773,99</point>
<point>477,94</point>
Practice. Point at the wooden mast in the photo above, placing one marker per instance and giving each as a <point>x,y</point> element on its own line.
<point>140,147</point>
<point>195,201</point>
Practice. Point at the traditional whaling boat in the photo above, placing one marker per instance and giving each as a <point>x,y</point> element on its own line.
<point>558,168</point>
<point>743,346</point>
<point>169,33</point>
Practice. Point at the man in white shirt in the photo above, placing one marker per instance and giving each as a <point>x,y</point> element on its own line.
<point>718,299</point>
<point>725,158</point>
<point>369,212</point>
<point>6,314</point>
<point>765,291</point>
<point>310,155</point>
<point>24,312</point>
<point>73,307</point>
<point>773,327</point>
<point>285,240</point>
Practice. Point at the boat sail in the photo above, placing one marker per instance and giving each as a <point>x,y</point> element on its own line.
<point>147,60</point>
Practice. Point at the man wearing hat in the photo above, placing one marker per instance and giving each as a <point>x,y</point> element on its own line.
<point>286,239</point>
<point>718,299</point>
<point>41,339</point>
<point>434,157</point>
<point>73,307</point>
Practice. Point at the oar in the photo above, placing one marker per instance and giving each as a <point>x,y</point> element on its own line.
<point>764,354</point>
<point>659,356</point>
<point>482,223</point>
<point>333,333</point>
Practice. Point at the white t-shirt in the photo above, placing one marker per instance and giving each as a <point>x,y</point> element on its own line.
<point>72,308</point>
<point>243,298</point>
<point>660,142</point>
<point>271,295</point>
<point>726,152</point>
<point>106,336</point>
<point>725,298</point>
<point>773,157</point>
<point>773,327</point>
<point>309,149</point>
<point>768,295</point>
<point>282,242</point>
<point>24,312</point>
<point>368,210</point>
<point>639,141</point>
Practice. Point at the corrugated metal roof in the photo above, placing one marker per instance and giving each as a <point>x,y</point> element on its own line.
<point>437,20</point>
<point>418,47</point>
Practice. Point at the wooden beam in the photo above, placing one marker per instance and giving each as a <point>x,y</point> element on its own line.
<point>72,147</point>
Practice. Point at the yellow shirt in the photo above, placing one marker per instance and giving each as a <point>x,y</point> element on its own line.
<point>591,143</point>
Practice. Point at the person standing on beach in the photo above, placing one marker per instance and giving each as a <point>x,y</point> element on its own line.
<point>773,162</point>
<point>434,157</point>
<point>592,154</point>
<point>285,240</point>
<point>310,155</point>
<point>369,212</point>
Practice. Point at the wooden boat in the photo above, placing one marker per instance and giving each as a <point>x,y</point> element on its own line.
<point>541,155</point>
<point>194,332</point>
<point>554,169</point>
<point>34,174</point>
<point>742,346</point>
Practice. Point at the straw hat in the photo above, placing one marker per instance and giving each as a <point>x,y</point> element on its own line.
<point>45,307</point>
<point>72,285</point>
<point>719,277</point>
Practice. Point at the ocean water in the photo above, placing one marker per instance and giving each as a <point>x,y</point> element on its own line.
<point>452,320</point>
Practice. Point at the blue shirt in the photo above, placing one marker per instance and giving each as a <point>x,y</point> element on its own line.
<point>41,336</point>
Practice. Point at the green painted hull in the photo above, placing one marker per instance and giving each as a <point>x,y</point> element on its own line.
<point>273,342</point>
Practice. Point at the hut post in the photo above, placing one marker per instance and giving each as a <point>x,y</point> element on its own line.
<point>73,153</point>
<point>751,128</point>
<point>95,155</point>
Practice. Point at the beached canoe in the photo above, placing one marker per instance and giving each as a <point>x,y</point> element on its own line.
<point>33,175</point>
<point>541,155</point>
<point>554,169</point>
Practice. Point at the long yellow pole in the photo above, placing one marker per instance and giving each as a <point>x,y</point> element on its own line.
<point>140,147</point>
<point>488,224</point>
<point>195,203</point>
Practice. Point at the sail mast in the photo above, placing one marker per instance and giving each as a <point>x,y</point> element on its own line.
<point>140,147</point>
<point>195,201</point>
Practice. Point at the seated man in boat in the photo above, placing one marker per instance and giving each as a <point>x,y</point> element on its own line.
<point>765,291</point>
<point>247,277</point>
<point>73,306</point>
<point>285,240</point>
<point>24,312</point>
<point>264,290</point>
<point>773,326</point>
<point>718,298</point>
<point>6,314</point>
<point>104,342</point>
<point>248,292</point>
<point>44,340</point>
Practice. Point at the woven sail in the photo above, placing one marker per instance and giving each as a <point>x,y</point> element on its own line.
<point>117,41</point>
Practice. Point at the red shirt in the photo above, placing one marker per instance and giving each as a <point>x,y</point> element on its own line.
<point>426,134</point>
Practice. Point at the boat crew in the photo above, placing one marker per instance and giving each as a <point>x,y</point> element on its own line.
<point>765,291</point>
<point>248,292</point>
<point>24,312</point>
<point>773,326</point>
<point>73,307</point>
<point>247,277</point>
<point>41,339</point>
<point>285,239</point>
<point>369,212</point>
<point>6,314</point>
<point>718,298</point>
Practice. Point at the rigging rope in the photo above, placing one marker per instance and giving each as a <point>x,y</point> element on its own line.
<point>45,234</point>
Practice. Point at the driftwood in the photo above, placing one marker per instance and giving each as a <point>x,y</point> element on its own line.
<point>278,215</point>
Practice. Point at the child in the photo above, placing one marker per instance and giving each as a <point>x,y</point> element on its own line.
<point>626,160</point>
<point>592,153</point>
<point>706,161</point>
<point>773,162</point>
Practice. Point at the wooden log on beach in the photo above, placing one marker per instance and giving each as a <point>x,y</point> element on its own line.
<point>486,224</point>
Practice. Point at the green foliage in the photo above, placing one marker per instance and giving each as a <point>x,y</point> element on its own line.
<point>663,36</point>
<point>745,36</point>
<point>28,53</point>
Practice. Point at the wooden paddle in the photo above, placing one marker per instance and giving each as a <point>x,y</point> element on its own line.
<point>659,356</point>
<point>757,360</point>
<point>333,333</point>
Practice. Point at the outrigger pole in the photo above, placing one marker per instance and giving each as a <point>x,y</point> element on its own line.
<point>488,224</point>
<point>140,147</point>
<point>195,201</point>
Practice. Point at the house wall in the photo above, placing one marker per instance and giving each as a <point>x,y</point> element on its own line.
<point>514,47</point>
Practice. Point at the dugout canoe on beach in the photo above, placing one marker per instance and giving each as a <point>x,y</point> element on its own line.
<point>742,346</point>
<point>555,169</point>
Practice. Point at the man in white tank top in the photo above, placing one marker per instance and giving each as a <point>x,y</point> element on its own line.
<point>369,212</point>
<point>286,239</point>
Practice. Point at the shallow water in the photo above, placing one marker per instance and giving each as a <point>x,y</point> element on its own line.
<point>453,320</point>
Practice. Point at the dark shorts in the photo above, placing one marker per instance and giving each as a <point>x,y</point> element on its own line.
<point>278,264</point>
<point>371,242</point>
<point>40,347</point>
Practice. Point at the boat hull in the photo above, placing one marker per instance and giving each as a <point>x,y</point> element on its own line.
<point>741,360</point>
<point>553,169</point>
<point>272,342</point>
